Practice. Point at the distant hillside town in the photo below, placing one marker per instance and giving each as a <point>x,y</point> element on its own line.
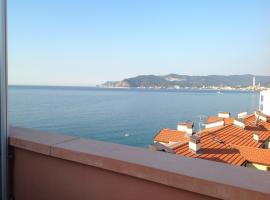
<point>242,140</point>
<point>175,81</point>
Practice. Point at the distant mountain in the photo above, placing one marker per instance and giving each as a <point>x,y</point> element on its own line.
<point>175,80</point>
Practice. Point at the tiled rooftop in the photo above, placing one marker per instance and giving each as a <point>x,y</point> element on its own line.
<point>232,134</point>
<point>216,143</point>
<point>254,155</point>
<point>169,135</point>
<point>229,134</point>
<point>250,121</point>
<point>212,119</point>
<point>212,150</point>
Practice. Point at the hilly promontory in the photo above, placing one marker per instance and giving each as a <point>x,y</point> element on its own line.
<point>187,81</point>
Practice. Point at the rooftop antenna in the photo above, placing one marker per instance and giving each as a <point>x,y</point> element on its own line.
<point>257,120</point>
<point>200,121</point>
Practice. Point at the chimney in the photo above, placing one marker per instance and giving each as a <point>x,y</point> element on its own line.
<point>157,146</point>
<point>259,115</point>
<point>224,114</point>
<point>215,124</point>
<point>194,143</point>
<point>186,127</point>
<point>256,136</point>
<point>242,115</point>
<point>239,122</point>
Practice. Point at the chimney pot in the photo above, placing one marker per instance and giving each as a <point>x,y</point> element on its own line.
<point>194,143</point>
<point>256,136</point>
<point>224,114</point>
<point>259,115</point>
<point>186,127</point>
<point>215,124</point>
<point>242,115</point>
<point>239,122</point>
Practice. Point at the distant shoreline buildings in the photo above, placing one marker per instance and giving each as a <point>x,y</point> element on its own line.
<point>243,140</point>
<point>257,87</point>
<point>211,82</point>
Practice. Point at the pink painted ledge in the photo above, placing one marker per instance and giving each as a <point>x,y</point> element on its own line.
<point>36,141</point>
<point>195,175</point>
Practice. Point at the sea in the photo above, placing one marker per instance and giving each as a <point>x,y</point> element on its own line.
<point>125,116</point>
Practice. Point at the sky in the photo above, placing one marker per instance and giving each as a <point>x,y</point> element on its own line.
<point>88,42</point>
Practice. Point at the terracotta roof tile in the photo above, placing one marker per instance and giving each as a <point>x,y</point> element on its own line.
<point>169,135</point>
<point>254,155</point>
<point>236,135</point>
<point>216,143</point>
<point>251,122</point>
<point>230,134</point>
<point>212,119</point>
<point>212,150</point>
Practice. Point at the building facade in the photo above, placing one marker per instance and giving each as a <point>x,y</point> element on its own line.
<point>265,102</point>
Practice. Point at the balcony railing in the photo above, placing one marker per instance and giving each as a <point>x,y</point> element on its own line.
<point>50,166</point>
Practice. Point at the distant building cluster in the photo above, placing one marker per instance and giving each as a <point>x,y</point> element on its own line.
<point>243,140</point>
<point>256,86</point>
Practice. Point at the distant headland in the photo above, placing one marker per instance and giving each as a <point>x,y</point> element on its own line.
<point>175,81</point>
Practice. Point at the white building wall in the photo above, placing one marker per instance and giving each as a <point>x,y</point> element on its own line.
<point>265,102</point>
<point>182,128</point>
<point>185,129</point>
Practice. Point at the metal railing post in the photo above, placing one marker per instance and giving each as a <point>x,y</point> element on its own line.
<point>3,99</point>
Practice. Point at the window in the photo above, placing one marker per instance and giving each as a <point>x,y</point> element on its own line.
<point>261,98</point>
<point>261,107</point>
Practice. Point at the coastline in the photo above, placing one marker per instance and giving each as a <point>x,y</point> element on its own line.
<point>182,89</point>
<point>190,88</point>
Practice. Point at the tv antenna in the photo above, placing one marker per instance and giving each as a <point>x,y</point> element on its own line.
<point>201,121</point>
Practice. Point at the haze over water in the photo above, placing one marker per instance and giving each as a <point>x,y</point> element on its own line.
<point>125,116</point>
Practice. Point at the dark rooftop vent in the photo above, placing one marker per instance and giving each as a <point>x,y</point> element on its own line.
<point>218,140</point>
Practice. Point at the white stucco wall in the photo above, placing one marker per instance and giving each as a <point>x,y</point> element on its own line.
<point>185,129</point>
<point>265,102</point>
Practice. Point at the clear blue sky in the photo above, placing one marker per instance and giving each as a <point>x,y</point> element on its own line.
<point>85,42</point>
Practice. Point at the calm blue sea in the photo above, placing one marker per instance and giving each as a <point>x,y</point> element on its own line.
<point>125,116</point>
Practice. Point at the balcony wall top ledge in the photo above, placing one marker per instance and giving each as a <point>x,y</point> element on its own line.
<point>36,141</point>
<point>195,175</point>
